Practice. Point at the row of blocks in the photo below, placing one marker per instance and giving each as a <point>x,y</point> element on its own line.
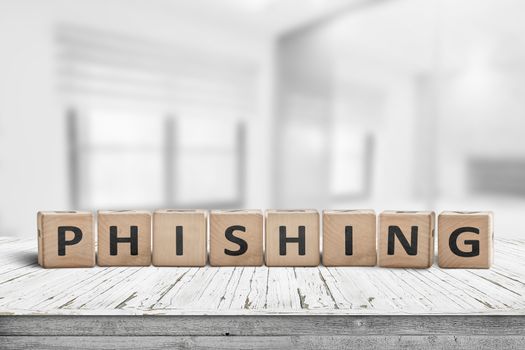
<point>292,238</point>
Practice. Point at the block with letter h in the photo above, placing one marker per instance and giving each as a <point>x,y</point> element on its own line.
<point>292,238</point>
<point>124,238</point>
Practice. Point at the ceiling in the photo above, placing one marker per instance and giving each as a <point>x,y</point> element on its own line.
<point>260,17</point>
<point>442,34</point>
<point>410,34</point>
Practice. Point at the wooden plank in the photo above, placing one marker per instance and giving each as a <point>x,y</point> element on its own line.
<point>313,290</point>
<point>266,342</point>
<point>281,290</point>
<point>261,325</point>
<point>162,282</point>
<point>27,289</point>
<point>99,295</point>
<point>179,285</point>
<point>251,293</point>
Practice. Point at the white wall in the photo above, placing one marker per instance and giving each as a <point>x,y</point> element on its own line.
<point>321,85</point>
<point>33,154</point>
<point>482,115</point>
<point>382,102</point>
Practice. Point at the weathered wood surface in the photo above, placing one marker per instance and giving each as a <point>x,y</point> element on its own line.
<point>269,342</point>
<point>260,307</point>
<point>263,325</point>
<point>27,289</point>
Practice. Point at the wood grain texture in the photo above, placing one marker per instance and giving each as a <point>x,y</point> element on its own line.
<point>262,325</point>
<point>251,221</point>
<point>267,342</point>
<point>193,230</point>
<point>291,221</point>
<point>421,223</point>
<point>363,238</point>
<point>28,289</point>
<point>260,307</point>
<point>124,220</point>
<point>81,254</point>
<point>449,222</point>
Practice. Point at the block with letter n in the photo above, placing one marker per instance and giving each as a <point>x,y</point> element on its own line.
<point>406,239</point>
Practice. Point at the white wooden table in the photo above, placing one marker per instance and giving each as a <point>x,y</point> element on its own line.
<point>246,307</point>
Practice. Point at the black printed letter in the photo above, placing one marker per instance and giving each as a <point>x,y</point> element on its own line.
<point>179,247</point>
<point>410,248</point>
<point>349,248</point>
<point>62,238</point>
<point>453,242</point>
<point>132,239</point>
<point>243,245</point>
<point>300,239</point>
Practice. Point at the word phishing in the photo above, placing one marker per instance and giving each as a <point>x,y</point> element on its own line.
<point>173,237</point>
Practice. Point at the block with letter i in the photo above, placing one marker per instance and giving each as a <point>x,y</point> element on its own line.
<point>179,237</point>
<point>236,238</point>
<point>349,238</point>
<point>65,239</point>
<point>124,238</point>
<point>406,239</point>
<point>465,239</point>
<point>292,238</point>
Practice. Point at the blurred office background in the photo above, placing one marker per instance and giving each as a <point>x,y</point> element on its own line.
<point>391,104</point>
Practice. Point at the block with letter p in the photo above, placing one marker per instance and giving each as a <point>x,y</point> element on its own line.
<point>65,239</point>
<point>406,239</point>
<point>292,238</point>
<point>124,238</point>
<point>465,239</point>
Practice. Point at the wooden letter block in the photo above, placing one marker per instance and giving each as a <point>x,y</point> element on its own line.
<point>124,238</point>
<point>406,239</point>
<point>179,237</point>
<point>465,239</point>
<point>292,238</point>
<point>349,238</point>
<point>236,238</point>
<point>65,239</point>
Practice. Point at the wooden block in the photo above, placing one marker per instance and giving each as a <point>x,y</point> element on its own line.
<point>465,239</point>
<point>292,238</point>
<point>179,237</point>
<point>349,238</point>
<point>124,238</point>
<point>406,239</point>
<point>65,239</point>
<point>236,238</point>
